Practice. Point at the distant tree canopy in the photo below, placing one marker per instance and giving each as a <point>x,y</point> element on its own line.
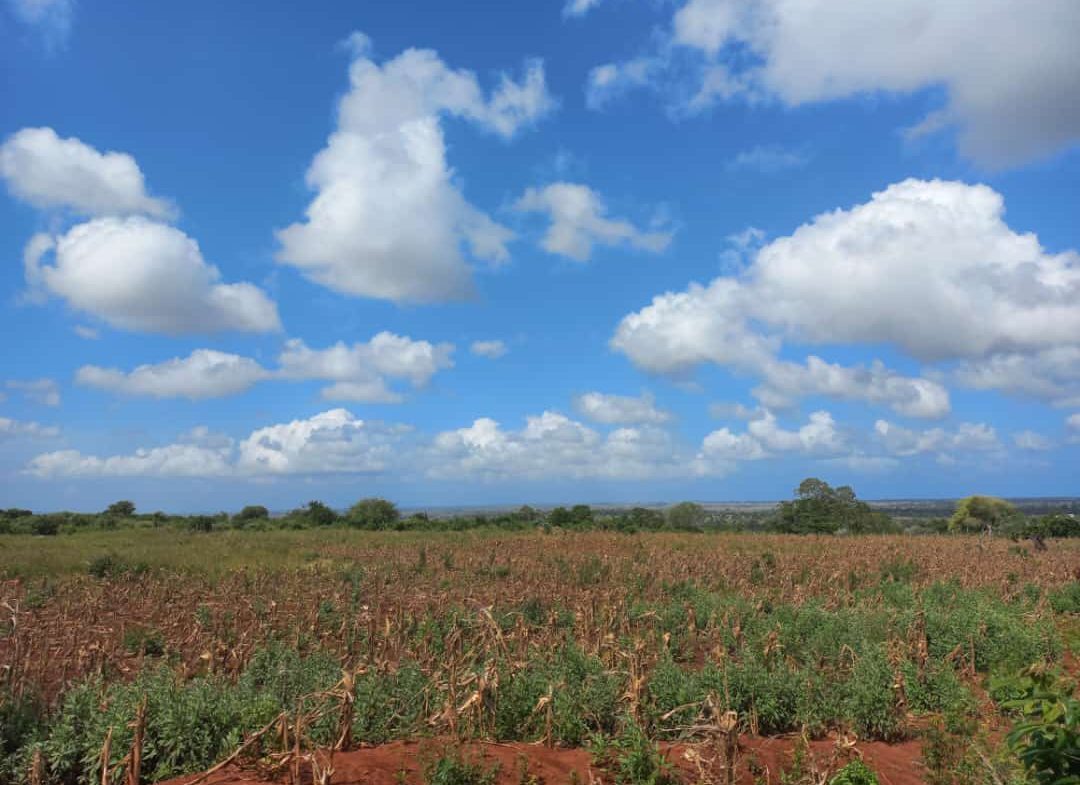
<point>1053,525</point>
<point>820,508</point>
<point>373,514</point>
<point>580,516</point>
<point>687,515</point>
<point>319,514</point>
<point>642,518</point>
<point>984,513</point>
<point>121,509</point>
<point>253,512</point>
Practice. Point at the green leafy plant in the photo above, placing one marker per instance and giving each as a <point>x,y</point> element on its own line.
<point>632,758</point>
<point>855,773</point>
<point>453,768</point>
<point>1046,738</point>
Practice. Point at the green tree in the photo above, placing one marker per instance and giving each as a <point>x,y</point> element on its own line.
<point>201,523</point>
<point>253,512</point>
<point>1056,524</point>
<point>643,518</point>
<point>820,508</point>
<point>373,513</point>
<point>319,514</point>
<point>560,517</point>
<point>121,509</point>
<point>687,515</point>
<point>984,514</point>
<point>582,516</point>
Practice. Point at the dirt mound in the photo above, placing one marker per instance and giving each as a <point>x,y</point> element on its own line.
<point>761,760</point>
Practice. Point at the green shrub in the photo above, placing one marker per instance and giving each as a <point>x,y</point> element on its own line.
<point>631,758</point>
<point>455,769</point>
<point>871,705</point>
<point>855,773</point>
<point>1066,599</point>
<point>1046,738</point>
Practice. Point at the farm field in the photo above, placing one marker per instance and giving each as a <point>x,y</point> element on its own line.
<point>522,657</point>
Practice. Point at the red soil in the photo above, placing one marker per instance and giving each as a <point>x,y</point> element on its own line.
<point>403,763</point>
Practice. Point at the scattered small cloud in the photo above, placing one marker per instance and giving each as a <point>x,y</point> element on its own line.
<point>493,349</point>
<point>45,392</point>
<point>768,159</point>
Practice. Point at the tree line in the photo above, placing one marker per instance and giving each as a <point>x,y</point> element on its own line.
<point>817,508</point>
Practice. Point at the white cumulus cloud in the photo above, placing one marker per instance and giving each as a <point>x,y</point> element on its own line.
<point>49,172</point>
<point>579,221</point>
<point>553,446</point>
<point>1007,109</point>
<point>965,439</point>
<point>332,442</point>
<point>389,219</point>
<point>619,409</point>
<point>360,372</point>
<point>204,373</point>
<point>992,298</point>
<point>142,275</point>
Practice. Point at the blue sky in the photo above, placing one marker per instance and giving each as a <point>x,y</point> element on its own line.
<point>533,252</point>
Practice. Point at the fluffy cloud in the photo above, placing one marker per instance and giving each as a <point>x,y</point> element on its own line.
<point>981,287</point>
<point>173,460</point>
<point>785,382</point>
<point>204,373</point>
<point>578,221</point>
<point>333,442</point>
<point>712,324</point>
<point>947,444</point>
<point>43,391</point>
<point>360,371</point>
<point>138,274</point>
<point>12,429</point>
<point>988,296</point>
<point>389,219</point>
<point>493,349</point>
<point>552,446</point>
<point>1015,107</point>
<point>765,438</point>
<point>1052,375</point>
<point>619,409</point>
<point>50,172</point>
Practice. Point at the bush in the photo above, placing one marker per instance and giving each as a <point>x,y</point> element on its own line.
<point>455,769</point>
<point>373,514</point>
<point>631,758</point>
<point>855,773</point>
<point>46,525</point>
<point>1066,599</point>
<point>1046,738</point>
<point>250,514</point>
